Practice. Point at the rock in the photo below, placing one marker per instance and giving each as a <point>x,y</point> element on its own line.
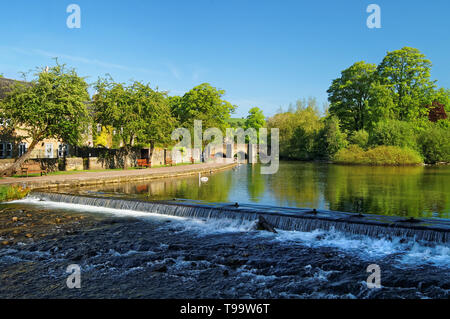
<point>234,262</point>
<point>262,224</point>
<point>162,268</point>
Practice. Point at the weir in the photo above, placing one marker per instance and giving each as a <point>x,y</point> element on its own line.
<point>285,218</point>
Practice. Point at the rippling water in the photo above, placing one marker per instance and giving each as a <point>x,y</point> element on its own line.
<point>134,255</point>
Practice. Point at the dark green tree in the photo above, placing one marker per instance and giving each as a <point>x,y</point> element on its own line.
<point>349,96</point>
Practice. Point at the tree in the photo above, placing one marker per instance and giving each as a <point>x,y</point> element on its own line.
<point>330,138</point>
<point>406,72</point>
<point>53,105</point>
<point>255,119</point>
<point>204,103</point>
<point>442,96</point>
<point>136,113</point>
<point>349,95</point>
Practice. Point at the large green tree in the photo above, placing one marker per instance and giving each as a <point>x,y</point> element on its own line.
<point>349,96</point>
<point>406,72</point>
<point>52,105</point>
<point>136,113</point>
<point>204,102</point>
<point>255,118</point>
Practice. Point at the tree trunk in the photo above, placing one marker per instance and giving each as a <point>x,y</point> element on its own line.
<point>151,150</point>
<point>16,165</point>
<point>125,157</point>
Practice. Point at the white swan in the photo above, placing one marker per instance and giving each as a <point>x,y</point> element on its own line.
<point>203,179</point>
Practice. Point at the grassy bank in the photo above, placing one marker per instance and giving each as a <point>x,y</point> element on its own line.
<point>8,193</point>
<point>380,155</point>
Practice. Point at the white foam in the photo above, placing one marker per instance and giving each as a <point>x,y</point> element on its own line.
<point>93,209</point>
<point>409,251</point>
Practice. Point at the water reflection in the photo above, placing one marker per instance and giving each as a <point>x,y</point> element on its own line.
<point>400,191</point>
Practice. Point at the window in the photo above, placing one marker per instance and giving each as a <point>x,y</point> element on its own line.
<point>9,149</point>
<point>49,150</point>
<point>6,150</point>
<point>63,150</point>
<point>22,149</point>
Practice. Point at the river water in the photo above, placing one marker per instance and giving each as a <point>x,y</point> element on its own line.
<point>130,254</point>
<point>396,191</point>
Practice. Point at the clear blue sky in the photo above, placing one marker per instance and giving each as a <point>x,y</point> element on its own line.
<point>263,53</point>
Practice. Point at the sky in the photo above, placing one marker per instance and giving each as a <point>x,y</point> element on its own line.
<point>262,53</point>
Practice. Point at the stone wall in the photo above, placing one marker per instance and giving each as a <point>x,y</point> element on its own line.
<point>95,163</point>
<point>74,164</point>
<point>158,157</point>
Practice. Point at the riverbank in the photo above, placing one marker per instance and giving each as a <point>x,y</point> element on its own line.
<point>113,176</point>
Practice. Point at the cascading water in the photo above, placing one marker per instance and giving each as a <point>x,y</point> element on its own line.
<point>434,230</point>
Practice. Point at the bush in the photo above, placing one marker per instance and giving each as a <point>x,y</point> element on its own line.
<point>330,139</point>
<point>394,133</point>
<point>8,193</point>
<point>434,143</point>
<point>380,155</point>
<point>360,138</point>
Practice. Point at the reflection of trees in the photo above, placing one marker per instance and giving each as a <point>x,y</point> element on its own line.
<point>215,190</point>
<point>296,184</point>
<point>400,191</point>
<point>256,183</point>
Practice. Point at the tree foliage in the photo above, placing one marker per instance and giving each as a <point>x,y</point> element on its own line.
<point>52,105</point>
<point>349,95</point>
<point>406,72</point>
<point>136,113</point>
<point>204,102</point>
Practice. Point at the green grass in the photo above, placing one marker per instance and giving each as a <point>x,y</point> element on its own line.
<point>380,155</point>
<point>8,193</point>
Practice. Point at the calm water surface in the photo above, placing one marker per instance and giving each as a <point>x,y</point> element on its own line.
<point>399,191</point>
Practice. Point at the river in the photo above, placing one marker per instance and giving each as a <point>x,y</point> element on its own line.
<point>132,254</point>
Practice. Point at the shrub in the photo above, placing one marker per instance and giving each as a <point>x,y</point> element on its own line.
<point>380,155</point>
<point>330,139</point>
<point>360,138</point>
<point>8,193</point>
<point>434,143</point>
<point>394,133</point>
